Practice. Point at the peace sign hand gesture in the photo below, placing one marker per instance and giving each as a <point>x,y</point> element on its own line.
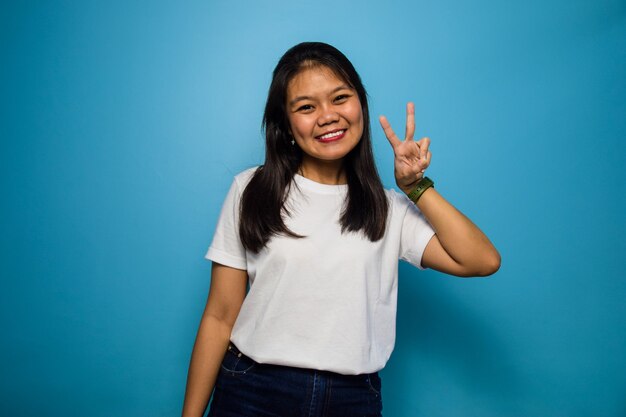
<point>411,158</point>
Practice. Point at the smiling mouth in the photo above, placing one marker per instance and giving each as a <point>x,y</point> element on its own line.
<point>332,136</point>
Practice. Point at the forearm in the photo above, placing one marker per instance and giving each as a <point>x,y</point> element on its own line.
<point>208,352</point>
<point>463,241</point>
<point>459,247</point>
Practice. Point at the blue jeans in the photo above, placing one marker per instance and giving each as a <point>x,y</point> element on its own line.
<point>247,388</point>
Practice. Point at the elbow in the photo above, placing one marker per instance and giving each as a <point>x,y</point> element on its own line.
<point>490,265</point>
<point>482,266</point>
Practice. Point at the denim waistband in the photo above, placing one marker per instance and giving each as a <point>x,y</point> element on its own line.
<point>244,387</point>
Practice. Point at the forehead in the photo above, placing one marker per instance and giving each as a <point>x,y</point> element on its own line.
<point>314,80</point>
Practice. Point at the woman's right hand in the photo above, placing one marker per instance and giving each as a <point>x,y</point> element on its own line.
<point>227,292</point>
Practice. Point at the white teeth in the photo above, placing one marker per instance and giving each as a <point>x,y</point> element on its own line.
<point>332,135</point>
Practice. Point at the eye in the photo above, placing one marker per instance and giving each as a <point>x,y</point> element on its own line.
<point>305,107</point>
<point>342,98</point>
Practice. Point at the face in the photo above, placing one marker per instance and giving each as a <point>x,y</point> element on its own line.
<point>325,116</point>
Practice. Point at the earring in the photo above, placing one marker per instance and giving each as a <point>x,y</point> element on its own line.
<point>293,142</point>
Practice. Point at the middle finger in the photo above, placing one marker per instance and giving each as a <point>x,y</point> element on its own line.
<point>410,121</point>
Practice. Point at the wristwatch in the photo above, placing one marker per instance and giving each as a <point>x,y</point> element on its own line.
<point>424,184</point>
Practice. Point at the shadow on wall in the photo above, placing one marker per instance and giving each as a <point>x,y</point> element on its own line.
<point>446,354</point>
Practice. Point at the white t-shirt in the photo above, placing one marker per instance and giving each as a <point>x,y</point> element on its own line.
<point>326,301</point>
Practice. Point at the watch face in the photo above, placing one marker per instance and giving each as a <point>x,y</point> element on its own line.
<point>424,184</point>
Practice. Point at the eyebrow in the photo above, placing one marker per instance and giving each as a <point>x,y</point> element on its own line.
<point>302,98</point>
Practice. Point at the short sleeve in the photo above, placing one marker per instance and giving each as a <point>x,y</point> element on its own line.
<point>226,248</point>
<point>415,233</point>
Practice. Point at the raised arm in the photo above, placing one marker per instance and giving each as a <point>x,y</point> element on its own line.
<point>228,289</point>
<point>459,247</point>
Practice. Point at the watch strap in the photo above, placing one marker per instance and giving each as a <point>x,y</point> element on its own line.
<point>424,184</point>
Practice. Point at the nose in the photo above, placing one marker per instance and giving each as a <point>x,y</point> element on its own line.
<point>328,115</point>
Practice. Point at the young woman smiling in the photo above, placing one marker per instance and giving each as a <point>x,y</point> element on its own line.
<point>317,239</point>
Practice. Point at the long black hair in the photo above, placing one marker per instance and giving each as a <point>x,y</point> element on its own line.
<point>262,204</point>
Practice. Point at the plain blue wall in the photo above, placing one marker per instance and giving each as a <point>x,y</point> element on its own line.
<point>122,124</point>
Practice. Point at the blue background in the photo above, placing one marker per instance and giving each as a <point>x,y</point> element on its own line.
<point>122,124</point>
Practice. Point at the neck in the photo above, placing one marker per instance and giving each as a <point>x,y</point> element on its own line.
<point>324,172</point>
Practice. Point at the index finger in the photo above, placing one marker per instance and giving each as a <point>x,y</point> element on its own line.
<point>389,133</point>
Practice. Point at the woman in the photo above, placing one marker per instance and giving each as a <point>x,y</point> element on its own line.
<point>318,239</point>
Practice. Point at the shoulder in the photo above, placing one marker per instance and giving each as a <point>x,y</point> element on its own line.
<point>400,205</point>
<point>243,178</point>
<point>396,198</point>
